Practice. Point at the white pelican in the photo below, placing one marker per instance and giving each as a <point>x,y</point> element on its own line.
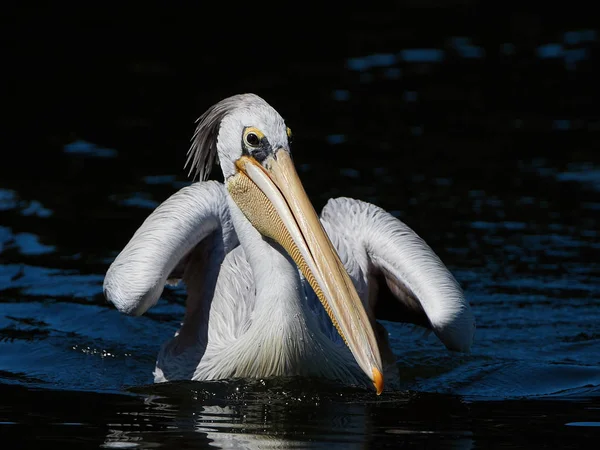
<point>273,291</point>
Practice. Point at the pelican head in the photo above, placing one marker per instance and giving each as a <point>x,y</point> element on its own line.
<point>252,142</point>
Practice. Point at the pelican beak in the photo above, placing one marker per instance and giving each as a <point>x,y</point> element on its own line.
<point>273,199</point>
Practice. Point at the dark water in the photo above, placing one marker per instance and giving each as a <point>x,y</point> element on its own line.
<point>482,133</point>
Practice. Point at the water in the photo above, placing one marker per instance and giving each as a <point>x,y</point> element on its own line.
<point>483,141</point>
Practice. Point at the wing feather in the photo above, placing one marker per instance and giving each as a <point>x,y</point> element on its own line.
<point>380,251</point>
<point>176,233</point>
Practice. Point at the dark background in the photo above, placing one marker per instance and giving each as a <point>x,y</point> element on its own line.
<point>490,154</point>
<point>135,79</point>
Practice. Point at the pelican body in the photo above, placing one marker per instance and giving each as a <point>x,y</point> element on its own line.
<point>272,289</point>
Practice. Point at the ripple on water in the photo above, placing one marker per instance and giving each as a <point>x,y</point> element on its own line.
<point>88,149</point>
<point>23,242</point>
<point>9,200</point>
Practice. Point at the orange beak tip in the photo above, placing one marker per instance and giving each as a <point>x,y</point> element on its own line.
<point>378,381</point>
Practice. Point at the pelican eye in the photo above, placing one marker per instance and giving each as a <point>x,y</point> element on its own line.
<point>255,144</point>
<point>252,137</point>
<point>289,134</point>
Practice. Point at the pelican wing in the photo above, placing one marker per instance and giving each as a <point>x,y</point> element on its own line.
<point>398,275</point>
<point>188,228</point>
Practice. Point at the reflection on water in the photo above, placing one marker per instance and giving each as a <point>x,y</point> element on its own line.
<point>89,149</point>
<point>291,414</point>
<point>505,191</point>
<point>574,47</point>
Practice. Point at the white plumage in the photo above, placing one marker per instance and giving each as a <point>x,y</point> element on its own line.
<point>250,311</point>
<point>371,241</point>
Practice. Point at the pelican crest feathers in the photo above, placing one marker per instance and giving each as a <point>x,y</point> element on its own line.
<point>202,155</point>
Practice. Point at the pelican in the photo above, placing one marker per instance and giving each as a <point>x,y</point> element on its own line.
<point>272,290</point>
